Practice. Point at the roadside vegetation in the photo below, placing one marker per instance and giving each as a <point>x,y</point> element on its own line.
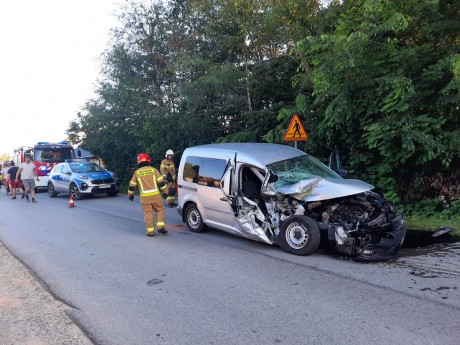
<point>432,214</point>
<point>379,80</point>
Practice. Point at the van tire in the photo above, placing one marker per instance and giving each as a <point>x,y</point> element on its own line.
<point>193,219</point>
<point>299,235</point>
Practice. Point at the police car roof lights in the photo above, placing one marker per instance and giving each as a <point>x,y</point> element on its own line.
<point>77,160</point>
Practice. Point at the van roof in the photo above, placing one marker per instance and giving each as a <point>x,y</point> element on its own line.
<point>259,154</point>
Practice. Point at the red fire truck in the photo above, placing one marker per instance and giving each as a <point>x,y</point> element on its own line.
<point>45,156</point>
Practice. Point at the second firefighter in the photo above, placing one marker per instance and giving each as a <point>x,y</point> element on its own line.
<point>168,170</point>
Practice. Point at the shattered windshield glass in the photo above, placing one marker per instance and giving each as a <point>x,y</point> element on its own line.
<point>296,169</point>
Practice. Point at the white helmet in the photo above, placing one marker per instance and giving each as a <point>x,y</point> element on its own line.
<point>169,152</point>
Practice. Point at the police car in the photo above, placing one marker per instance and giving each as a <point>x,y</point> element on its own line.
<point>79,177</point>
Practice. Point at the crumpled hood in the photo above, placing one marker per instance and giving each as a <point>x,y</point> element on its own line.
<point>324,188</point>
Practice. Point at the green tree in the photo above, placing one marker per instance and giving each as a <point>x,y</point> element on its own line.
<point>385,79</point>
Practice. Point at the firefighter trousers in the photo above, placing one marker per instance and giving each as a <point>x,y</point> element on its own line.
<point>171,199</point>
<point>154,209</point>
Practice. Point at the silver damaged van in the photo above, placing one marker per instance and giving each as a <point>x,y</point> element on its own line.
<point>280,195</point>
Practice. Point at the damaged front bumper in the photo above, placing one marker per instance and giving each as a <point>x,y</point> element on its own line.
<point>387,247</point>
<point>375,247</point>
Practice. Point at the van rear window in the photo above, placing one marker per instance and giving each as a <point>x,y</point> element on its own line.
<point>204,171</point>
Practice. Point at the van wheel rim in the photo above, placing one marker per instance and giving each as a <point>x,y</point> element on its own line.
<point>194,218</point>
<point>297,235</point>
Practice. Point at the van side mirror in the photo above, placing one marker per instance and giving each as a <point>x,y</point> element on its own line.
<point>334,164</point>
<point>272,178</point>
<point>78,153</point>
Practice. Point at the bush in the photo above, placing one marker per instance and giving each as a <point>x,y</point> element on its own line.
<point>438,208</point>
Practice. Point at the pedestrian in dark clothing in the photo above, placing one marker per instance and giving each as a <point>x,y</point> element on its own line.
<point>15,181</point>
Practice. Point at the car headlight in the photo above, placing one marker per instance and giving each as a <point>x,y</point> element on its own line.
<point>83,177</point>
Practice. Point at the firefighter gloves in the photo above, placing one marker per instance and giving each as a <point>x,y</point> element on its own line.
<point>131,197</point>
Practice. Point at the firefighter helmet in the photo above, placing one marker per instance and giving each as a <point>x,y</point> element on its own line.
<point>143,157</point>
<point>169,152</point>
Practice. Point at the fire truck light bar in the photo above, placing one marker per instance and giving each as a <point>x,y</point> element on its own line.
<point>48,143</point>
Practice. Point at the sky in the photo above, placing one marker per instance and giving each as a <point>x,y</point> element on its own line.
<point>49,65</point>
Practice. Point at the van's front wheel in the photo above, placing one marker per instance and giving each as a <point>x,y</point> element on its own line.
<point>299,235</point>
<point>193,219</point>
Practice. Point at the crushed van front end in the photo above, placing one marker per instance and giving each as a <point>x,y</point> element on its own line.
<point>364,227</point>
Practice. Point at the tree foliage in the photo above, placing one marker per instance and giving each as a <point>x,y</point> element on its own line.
<point>385,84</point>
<point>377,79</point>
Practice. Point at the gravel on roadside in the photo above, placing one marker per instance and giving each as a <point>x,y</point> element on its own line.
<point>29,314</point>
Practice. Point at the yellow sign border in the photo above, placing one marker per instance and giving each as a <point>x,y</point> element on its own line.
<point>291,128</point>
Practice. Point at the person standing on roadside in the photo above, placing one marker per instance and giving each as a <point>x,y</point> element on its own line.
<point>28,174</point>
<point>14,180</point>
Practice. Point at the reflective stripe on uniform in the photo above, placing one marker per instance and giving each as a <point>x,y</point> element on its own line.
<point>145,172</point>
<point>149,191</point>
<point>150,194</point>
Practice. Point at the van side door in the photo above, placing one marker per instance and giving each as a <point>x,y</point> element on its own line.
<point>241,185</point>
<point>203,177</point>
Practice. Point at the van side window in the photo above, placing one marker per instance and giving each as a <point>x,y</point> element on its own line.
<point>204,171</point>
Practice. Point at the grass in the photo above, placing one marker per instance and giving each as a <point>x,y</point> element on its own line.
<point>431,214</point>
<point>431,223</point>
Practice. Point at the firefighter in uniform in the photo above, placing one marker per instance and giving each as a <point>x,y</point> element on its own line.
<point>168,171</point>
<point>149,182</point>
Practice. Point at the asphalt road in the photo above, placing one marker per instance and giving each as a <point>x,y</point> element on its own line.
<point>214,288</point>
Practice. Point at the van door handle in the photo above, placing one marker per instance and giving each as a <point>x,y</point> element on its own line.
<point>224,199</point>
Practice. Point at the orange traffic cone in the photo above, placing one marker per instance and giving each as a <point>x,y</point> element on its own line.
<point>71,203</point>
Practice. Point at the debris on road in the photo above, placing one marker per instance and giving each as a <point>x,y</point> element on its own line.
<point>442,231</point>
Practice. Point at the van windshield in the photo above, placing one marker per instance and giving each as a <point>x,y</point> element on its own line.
<point>300,168</point>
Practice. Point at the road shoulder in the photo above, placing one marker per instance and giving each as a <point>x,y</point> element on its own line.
<point>28,313</point>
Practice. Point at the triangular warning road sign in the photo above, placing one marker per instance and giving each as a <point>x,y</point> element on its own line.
<point>295,131</point>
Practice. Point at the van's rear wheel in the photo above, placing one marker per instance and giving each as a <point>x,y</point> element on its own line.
<point>299,235</point>
<point>193,219</point>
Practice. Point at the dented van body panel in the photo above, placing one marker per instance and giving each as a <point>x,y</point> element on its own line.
<point>280,195</point>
